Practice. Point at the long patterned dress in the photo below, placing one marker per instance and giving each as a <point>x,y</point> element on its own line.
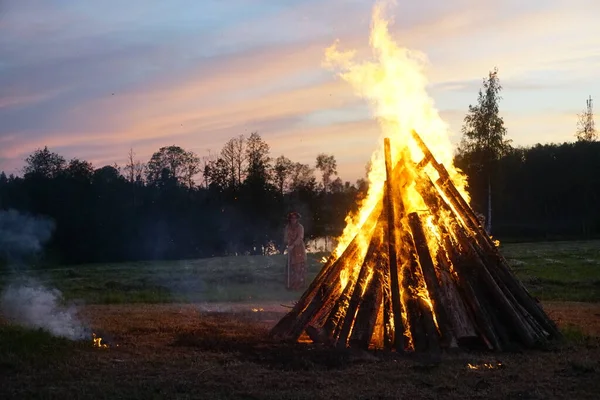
<point>294,236</point>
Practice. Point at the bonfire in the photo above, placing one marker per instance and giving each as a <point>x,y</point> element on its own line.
<point>414,270</point>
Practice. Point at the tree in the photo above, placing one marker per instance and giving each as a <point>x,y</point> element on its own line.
<point>44,163</point>
<point>302,177</point>
<point>205,162</point>
<point>257,154</point>
<point>234,155</point>
<point>179,164</point>
<point>282,172</point>
<point>586,130</point>
<point>134,169</point>
<point>106,175</point>
<point>80,170</point>
<point>337,186</point>
<point>484,134</point>
<point>216,174</point>
<point>328,167</point>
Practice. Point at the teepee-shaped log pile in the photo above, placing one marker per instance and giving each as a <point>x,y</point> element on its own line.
<point>421,280</point>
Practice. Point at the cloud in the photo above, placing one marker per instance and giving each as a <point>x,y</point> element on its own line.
<point>93,82</point>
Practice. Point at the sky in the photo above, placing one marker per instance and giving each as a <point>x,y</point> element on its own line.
<point>93,79</point>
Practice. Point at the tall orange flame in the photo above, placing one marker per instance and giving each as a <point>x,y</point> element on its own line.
<point>394,84</point>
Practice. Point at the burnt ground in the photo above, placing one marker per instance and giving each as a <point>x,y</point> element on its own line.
<point>221,351</point>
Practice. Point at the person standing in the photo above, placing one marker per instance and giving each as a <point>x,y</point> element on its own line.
<point>296,261</point>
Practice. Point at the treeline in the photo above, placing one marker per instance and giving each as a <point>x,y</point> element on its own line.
<point>542,192</point>
<point>179,205</point>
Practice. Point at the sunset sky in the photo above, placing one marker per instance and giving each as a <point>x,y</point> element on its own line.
<point>93,79</point>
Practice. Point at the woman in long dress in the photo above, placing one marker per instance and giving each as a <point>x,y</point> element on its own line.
<point>294,240</point>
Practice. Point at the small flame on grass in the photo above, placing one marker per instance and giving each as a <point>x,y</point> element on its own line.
<point>97,342</point>
<point>257,309</point>
<point>484,366</point>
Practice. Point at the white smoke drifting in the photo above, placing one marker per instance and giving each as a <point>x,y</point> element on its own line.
<point>22,235</point>
<point>34,306</point>
<point>26,302</point>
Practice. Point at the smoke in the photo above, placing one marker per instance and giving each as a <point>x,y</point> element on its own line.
<point>22,235</point>
<point>32,305</point>
<point>24,301</point>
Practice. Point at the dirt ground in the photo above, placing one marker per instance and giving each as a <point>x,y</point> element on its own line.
<point>222,351</point>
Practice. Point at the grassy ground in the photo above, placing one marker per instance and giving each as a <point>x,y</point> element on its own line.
<point>558,271</point>
<point>567,271</point>
<point>211,340</point>
<point>180,351</point>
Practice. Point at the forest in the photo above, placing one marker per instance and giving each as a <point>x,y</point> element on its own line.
<point>177,205</point>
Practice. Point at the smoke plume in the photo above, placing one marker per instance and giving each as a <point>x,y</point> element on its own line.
<point>22,235</point>
<point>24,301</point>
<point>32,305</point>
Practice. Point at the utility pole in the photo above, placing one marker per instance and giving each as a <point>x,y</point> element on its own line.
<point>586,129</point>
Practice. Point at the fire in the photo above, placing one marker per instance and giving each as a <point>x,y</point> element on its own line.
<point>484,366</point>
<point>413,269</point>
<point>394,84</point>
<point>97,342</point>
<point>344,278</point>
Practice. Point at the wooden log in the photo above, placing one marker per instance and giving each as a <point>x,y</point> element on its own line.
<point>335,319</point>
<point>497,317</point>
<point>503,295</point>
<point>363,279</point>
<point>526,334</point>
<point>461,323</point>
<point>430,277</point>
<point>388,327</point>
<point>482,321</point>
<point>378,338</point>
<point>368,311</point>
<point>433,337</point>
<point>424,334</point>
<point>392,250</point>
<point>511,289</point>
<point>293,324</point>
<point>521,326</point>
<point>480,316</point>
<point>483,239</point>
<point>458,316</point>
<point>413,309</point>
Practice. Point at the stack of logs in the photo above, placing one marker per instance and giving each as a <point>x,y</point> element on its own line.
<point>473,297</point>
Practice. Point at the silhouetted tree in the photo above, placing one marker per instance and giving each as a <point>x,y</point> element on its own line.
<point>484,135</point>
<point>328,167</point>
<point>235,157</point>
<point>134,169</point>
<point>281,173</point>
<point>44,163</point>
<point>217,174</point>
<point>181,165</point>
<point>257,154</point>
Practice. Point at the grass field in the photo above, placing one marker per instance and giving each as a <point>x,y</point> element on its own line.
<point>198,329</point>
<point>568,271</point>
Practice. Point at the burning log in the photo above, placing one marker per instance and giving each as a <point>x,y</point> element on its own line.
<point>485,244</point>
<point>364,278</point>
<point>419,280</point>
<point>392,251</point>
<point>369,310</point>
<point>431,280</point>
<point>323,287</point>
